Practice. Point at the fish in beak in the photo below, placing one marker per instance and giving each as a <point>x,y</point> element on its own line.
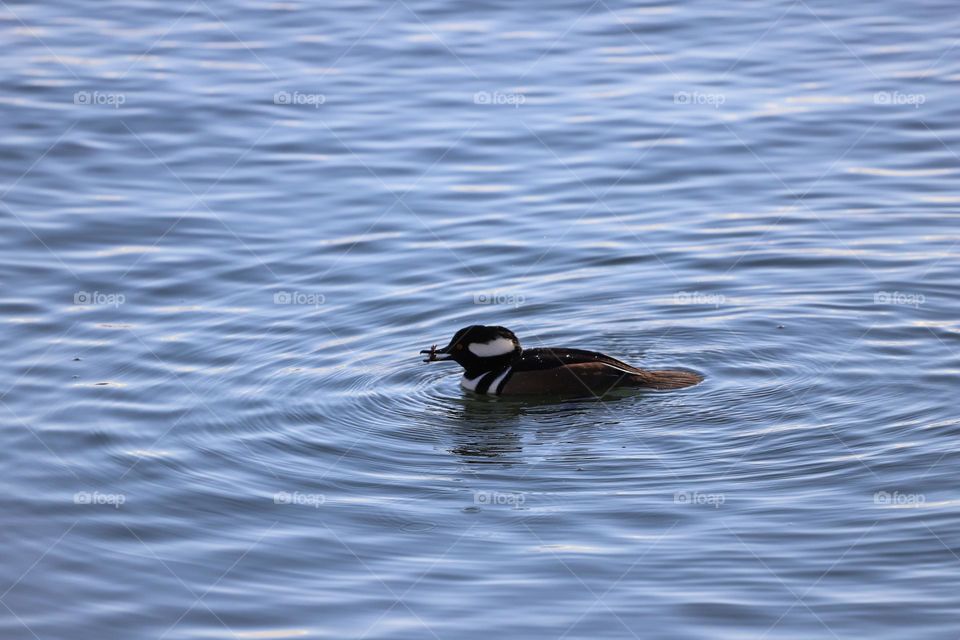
<point>436,355</point>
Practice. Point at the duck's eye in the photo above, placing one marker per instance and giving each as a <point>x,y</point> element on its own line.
<point>458,347</point>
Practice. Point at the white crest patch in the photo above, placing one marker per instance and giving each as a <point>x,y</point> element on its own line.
<point>496,347</point>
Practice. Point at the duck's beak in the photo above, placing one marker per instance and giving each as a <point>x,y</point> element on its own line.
<point>435,355</point>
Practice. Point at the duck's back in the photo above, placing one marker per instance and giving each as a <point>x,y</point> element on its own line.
<point>540,359</point>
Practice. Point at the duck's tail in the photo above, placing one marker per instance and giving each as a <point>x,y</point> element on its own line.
<point>664,379</point>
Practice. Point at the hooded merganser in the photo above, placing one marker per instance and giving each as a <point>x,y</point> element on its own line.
<point>495,364</point>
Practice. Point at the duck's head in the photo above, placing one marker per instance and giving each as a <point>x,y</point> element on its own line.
<point>478,348</point>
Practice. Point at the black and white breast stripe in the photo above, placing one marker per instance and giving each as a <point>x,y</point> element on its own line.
<point>490,383</point>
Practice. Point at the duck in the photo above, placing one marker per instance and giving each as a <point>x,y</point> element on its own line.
<point>495,364</point>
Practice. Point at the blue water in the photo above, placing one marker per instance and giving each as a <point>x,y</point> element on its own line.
<point>227,228</point>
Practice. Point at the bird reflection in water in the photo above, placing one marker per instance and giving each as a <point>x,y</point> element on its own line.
<point>486,430</point>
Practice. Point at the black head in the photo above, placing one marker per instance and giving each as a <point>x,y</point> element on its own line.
<point>478,348</point>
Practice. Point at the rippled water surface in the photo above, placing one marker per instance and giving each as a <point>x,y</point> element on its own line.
<point>227,228</point>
